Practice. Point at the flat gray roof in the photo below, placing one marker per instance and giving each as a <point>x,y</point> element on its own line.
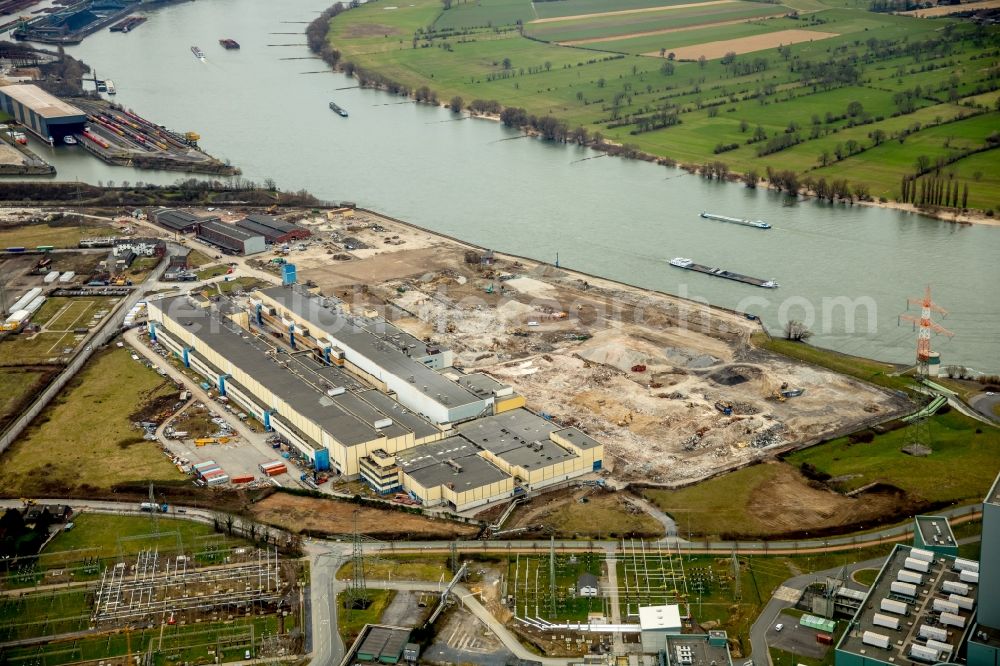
<point>702,653</point>
<point>518,437</point>
<point>453,461</point>
<point>578,437</point>
<point>228,230</point>
<point>44,104</point>
<point>363,336</point>
<point>993,496</point>
<point>936,530</point>
<point>271,222</point>
<point>175,219</point>
<point>299,380</point>
<point>481,384</point>
<point>920,610</point>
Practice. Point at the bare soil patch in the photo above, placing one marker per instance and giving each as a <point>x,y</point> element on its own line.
<point>944,10</point>
<point>388,266</point>
<point>585,512</point>
<point>330,516</point>
<point>622,12</point>
<point>712,50</point>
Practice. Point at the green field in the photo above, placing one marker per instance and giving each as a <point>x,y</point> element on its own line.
<point>911,78</point>
<point>964,462</point>
<point>85,439</point>
<point>350,622</point>
<point>57,235</point>
<point>16,385</point>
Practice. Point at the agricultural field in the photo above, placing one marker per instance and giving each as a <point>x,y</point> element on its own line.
<point>823,88</point>
<point>86,437</point>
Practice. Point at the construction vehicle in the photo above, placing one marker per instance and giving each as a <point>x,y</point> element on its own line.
<point>725,407</point>
<point>27,501</point>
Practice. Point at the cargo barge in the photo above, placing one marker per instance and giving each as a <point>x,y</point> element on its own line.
<point>687,264</point>
<point>129,24</point>
<point>229,43</point>
<point>338,110</point>
<point>757,224</point>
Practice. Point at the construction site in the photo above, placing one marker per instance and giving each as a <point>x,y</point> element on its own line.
<point>675,390</point>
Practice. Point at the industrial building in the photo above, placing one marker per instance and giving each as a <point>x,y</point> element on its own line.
<point>382,644</point>
<point>930,607</point>
<point>656,623</point>
<point>272,229</point>
<point>934,533</point>
<point>178,221</point>
<point>229,238</point>
<point>711,649</point>
<point>45,115</point>
<point>141,247</point>
<point>336,413</point>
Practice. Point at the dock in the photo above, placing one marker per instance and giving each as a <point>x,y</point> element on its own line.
<point>128,24</point>
<point>687,264</point>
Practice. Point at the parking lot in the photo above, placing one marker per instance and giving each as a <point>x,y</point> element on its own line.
<point>795,638</point>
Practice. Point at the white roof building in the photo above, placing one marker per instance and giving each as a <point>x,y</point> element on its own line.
<point>655,623</point>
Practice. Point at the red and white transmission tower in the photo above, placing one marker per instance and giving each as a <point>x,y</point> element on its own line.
<point>927,326</point>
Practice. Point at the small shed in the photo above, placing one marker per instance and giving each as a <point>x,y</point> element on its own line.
<point>587,585</point>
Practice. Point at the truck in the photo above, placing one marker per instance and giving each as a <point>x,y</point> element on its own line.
<point>151,507</point>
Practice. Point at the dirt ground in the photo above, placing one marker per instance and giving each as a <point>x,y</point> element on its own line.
<point>584,512</point>
<point>569,342</point>
<point>944,10</point>
<point>742,45</point>
<point>325,516</point>
<point>620,12</point>
<point>662,31</point>
<point>9,154</point>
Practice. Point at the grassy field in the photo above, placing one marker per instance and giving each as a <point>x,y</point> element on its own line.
<point>910,76</point>
<point>59,318</point>
<point>57,235</point>
<point>582,515</point>
<point>401,567</point>
<point>866,576</point>
<point>16,385</point>
<point>85,439</point>
<point>961,468</point>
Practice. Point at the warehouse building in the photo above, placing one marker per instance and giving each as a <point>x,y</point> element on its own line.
<point>179,221</point>
<point>373,349</point>
<point>45,115</point>
<point>272,229</point>
<point>230,239</point>
<point>323,411</point>
<point>656,623</point>
<point>984,641</point>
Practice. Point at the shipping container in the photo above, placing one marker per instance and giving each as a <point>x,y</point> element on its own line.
<point>213,471</point>
<point>878,640</point>
<point>955,586</point>
<point>945,605</point>
<point>207,463</point>
<point>944,648</point>
<point>893,606</point>
<point>242,479</point>
<point>880,620</point>
<point>824,639</point>
<point>923,555</point>
<point>217,480</point>
<point>917,565</point>
<point>275,471</point>
<point>910,577</point>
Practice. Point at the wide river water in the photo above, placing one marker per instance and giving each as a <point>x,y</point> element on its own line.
<point>264,108</point>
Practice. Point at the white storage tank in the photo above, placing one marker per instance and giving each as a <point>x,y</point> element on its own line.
<point>952,620</point>
<point>969,577</point>
<point>910,577</point>
<point>963,564</point>
<point>917,565</point>
<point>934,633</point>
<point>923,653</point>
<point>880,620</point>
<point>905,589</point>
<point>878,640</point>
<point>945,606</point>
<point>893,606</point>
<point>965,603</point>
<point>921,554</point>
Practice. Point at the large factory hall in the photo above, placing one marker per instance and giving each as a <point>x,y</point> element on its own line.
<point>360,396</point>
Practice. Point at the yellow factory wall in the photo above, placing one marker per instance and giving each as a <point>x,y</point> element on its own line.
<point>505,405</point>
<point>588,455</point>
<point>430,496</point>
<point>479,495</point>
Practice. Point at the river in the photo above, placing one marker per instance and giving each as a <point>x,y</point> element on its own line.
<point>264,108</point>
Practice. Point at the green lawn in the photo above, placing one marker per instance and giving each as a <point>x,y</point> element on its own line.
<point>964,462</point>
<point>16,384</point>
<point>866,576</point>
<point>350,622</point>
<point>85,440</point>
<point>602,90</point>
<point>61,236</point>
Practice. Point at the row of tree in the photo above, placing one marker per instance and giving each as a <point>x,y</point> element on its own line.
<point>934,191</point>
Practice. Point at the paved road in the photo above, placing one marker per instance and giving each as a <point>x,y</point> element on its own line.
<point>327,647</point>
<point>984,404</point>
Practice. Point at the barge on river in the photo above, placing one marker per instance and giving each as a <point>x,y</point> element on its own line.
<point>338,110</point>
<point>757,224</point>
<point>687,264</point>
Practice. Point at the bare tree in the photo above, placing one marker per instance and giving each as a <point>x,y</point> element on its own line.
<point>796,330</point>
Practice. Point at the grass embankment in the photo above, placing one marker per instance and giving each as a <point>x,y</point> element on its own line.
<point>621,87</point>
<point>775,499</point>
<point>84,440</point>
<point>57,235</point>
<point>963,464</point>
<point>401,567</point>
<point>350,622</point>
<point>17,386</point>
<point>587,515</point>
